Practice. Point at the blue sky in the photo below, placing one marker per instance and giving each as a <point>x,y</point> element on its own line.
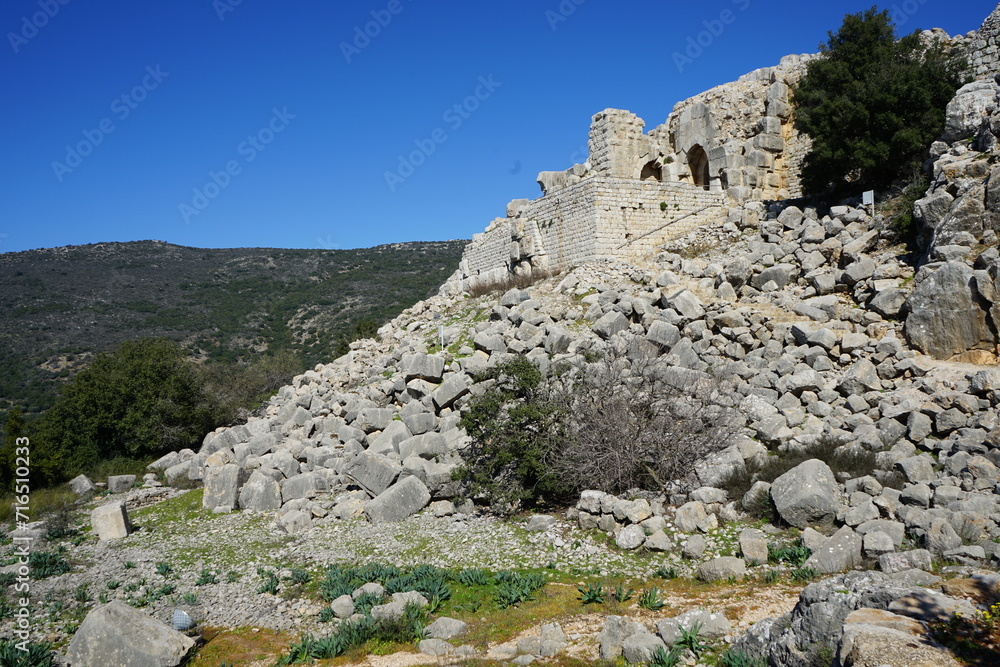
<point>238,123</point>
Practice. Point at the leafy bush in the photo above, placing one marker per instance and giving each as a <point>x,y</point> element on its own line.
<point>591,593</point>
<point>142,400</point>
<point>623,594</point>
<point>650,599</point>
<point>473,577</point>
<point>613,424</point>
<point>206,577</point>
<point>37,655</point>
<point>515,431</point>
<point>514,588</point>
<point>872,104</point>
<point>44,564</point>
<point>793,554</point>
<point>662,658</point>
<point>690,640</point>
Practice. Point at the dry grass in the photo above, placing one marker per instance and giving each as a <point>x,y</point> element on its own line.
<point>511,282</point>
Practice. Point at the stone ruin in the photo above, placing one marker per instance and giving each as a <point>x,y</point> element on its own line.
<point>728,145</point>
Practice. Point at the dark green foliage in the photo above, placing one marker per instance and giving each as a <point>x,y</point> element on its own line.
<point>7,579</point>
<point>44,564</point>
<point>793,554</point>
<point>690,641</point>
<point>650,599</point>
<point>735,658</point>
<point>225,303</point>
<point>408,628</point>
<point>872,105</point>
<point>515,430</point>
<point>163,569</point>
<point>326,615</point>
<point>363,603</point>
<point>666,573</point>
<point>474,577</point>
<point>15,428</point>
<point>662,658</point>
<point>270,583</point>
<point>771,576</point>
<point>206,577</point>
<point>591,593</point>
<point>299,576</point>
<point>515,587</point>
<point>623,594</point>
<point>143,400</point>
<point>804,574</point>
<point>37,655</point>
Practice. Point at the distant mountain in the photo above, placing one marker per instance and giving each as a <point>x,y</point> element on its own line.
<point>62,305</point>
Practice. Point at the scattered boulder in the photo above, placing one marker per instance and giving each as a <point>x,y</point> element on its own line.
<point>807,494</point>
<point>110,522</point>
<point>402,499</point>
<point>117,634</point>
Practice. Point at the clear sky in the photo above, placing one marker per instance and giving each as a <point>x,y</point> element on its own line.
<point>236,123</point>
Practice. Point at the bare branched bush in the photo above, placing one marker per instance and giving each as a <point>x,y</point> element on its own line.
<point>639,424</point>
<point>511,281</point>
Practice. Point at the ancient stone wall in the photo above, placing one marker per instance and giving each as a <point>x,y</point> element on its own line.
<point>746,131</point>
<point>983,49</point>
<point>592,220</point>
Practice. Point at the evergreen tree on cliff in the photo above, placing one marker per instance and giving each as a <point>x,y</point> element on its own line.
<point>872,105</point>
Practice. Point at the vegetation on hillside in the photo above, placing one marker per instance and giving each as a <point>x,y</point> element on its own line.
<point>64,305</point>
<point>872,104</point>
<point>614,425</point>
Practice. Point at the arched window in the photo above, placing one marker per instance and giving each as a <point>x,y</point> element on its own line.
<point>698,164</point>
<point>651,172</point>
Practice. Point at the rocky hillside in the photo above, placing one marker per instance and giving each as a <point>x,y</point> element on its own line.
<point>64,304</point>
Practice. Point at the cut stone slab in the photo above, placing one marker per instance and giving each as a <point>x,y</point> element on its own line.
<point>121,483</point>
<point>110,522</point>
<point>116,634</point>
<point>807,494</point>
<point>222,484</point>
<point>721,569</point>
<point>373,472</point>
<point>402,499</point>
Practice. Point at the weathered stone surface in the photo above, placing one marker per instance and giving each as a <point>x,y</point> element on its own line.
<point>539,523</point>
<point>120,483</point>
<point>389,439</point>
<point>640,647</point>
<point>373,472</point>
<point>689,515</point>
<point>446,628</point>
<point>877,638</point>
<point>711,625</point>
<point>294,521</point>
<point>116,634</point>
<point>753,546</point>
<point>404,498</point>
<point>81,485</point>
<point>899,562</point>
<point>423,367</point>
<point>807,494</point>
<point>614,633</point>
<point>944,318</point>
<point>450,391</point>
<point>261,493</point>
<point>839,553</point>
<point>222,485</point>
<point>610,324</point>
<point>723,568</point>
<point>630,537</point>
<point>110,522</point>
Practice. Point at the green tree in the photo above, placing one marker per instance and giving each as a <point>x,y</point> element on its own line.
<point>14,428</point>
<point>872,105</point>
<point>516,431</point>
<point>142,400</point>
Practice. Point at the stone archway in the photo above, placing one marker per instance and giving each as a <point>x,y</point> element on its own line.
<point>651,171</point>
<point>698,164</point>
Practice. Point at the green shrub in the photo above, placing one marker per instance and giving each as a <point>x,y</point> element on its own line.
<point>473,577</point>
<point>794,554</point>
<point>690,640</point>
<point>872,104</point>
<point>623,594</point>
<point>206,577</point>
<point>515,429</point>
<point>591,593</point>
<point>514,588</point>
<point>44,564</point>
<point>662,658</point>
<point>650,599</point>
<point>37,655</point>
